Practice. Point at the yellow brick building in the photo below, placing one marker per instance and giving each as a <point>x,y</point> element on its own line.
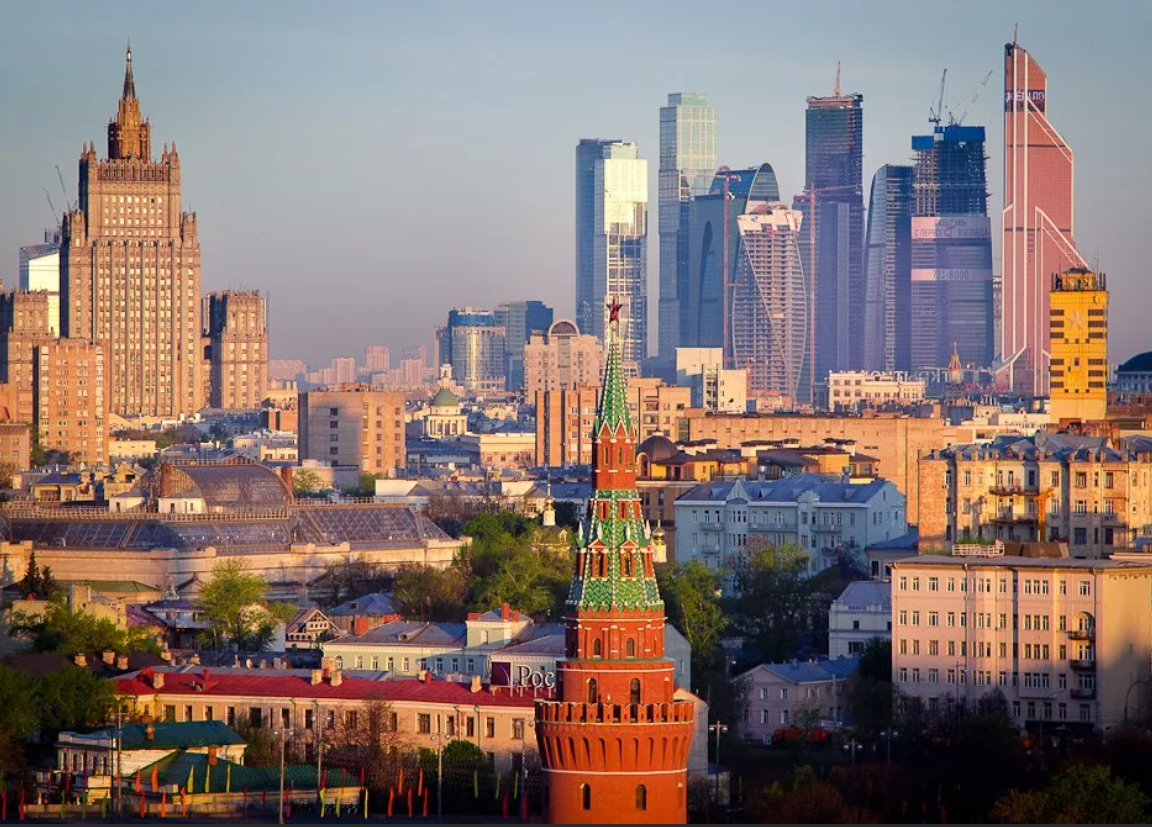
<point>1078,345</point>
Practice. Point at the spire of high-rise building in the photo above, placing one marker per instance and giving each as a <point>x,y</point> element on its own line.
<point>129,84</point>
<point>129,134</point>
<point>614,684</point>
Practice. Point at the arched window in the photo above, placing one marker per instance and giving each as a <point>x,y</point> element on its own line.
<point>596,651</point>
<point>593,693</point>
<point>339,662</point>
<point>630,648</point>
<point>641,797</point>
<point>634,691</point>
<point>586,796</point>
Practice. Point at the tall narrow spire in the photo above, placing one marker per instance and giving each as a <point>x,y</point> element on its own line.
<point>613,410</point>
<point>129,83</point>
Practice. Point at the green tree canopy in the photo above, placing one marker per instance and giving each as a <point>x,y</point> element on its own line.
<point>59,629</point>
<point>424,593</point>
<point>692,604</point>
<point>19,716</point>
<point>771,602</point>
<point>235,603</point>
<point>73,699</point>
<point>1081,794</point>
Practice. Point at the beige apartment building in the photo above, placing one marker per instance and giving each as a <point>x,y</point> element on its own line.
<point>24,326</point>
<point>236,323</point>
<point>71,401</point>
<point>355,429</point>
<point>1092,493</point>
<point>562,358</point>
<point>1063,639</point>
<point>895,440</point>
<point>859,389</point>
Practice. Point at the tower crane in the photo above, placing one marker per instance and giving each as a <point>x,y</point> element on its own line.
<point>936,115</point>
<point>971,103</point>
<point>51,206</point>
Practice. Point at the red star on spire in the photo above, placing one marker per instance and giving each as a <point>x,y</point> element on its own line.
<point>614,308</point>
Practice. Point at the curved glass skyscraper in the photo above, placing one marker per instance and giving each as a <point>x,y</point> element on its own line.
<point>888,270</point>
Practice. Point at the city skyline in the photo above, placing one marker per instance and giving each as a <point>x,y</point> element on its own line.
<point>344,71</point>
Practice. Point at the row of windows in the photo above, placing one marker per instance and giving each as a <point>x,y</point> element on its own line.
<point>981,585</point>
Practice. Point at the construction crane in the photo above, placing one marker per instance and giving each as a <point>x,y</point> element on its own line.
<point>63,189</point>
<point>936,115</point>
<point>971,103</point>
<point>51,206</point>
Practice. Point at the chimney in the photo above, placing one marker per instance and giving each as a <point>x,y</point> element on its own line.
<point>81,660</point>
<point>157,680</point>
<point>195,659</point>
<point>427,678</point>
<point>121,663</point>
<point>149,732</point>
<point>421,675</point>
<point>505,611</point>
<point>317,677</point>
<point>359,625</point>
<point>108,656</point>
<point>476,684</point>
<point>337,677</point>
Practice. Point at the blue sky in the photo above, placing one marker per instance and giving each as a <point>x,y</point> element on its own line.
<point>370,165</point>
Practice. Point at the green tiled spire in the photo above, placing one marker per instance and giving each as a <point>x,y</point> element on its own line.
<point>613,404</point>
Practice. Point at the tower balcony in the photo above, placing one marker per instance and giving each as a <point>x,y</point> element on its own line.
<point>570,712</point>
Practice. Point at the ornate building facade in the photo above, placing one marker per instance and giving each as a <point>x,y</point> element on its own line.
<point>130,269</point>
<point>614,741</point>
<point>237,328</point>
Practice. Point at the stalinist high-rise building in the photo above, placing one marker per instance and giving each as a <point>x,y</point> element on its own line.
<point>130,269</point>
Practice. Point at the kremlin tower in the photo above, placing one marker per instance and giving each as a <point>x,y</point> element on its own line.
<point>614,743</point>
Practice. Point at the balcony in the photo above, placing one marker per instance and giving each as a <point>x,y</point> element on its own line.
<point>1007,515</point>
<point>827,529</point>
<point>1083,664</point>
<point>1081,694</point>
<point>1012,490</point>
<point>709,549</point>
<point>1081,634</point>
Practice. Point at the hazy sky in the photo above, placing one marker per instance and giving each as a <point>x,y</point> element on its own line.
<point>369,165</point>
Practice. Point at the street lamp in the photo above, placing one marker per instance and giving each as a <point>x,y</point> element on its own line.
<point>853,746</point>
<point>439,777</point>
<point>718,728</point>
<point>283,735</point>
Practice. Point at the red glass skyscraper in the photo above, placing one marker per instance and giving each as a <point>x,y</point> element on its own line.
<point>1038,220</point>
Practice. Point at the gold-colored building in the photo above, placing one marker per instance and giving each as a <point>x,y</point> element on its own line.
<point>71,410</point>
<point>130,269</point>
<point>1078,345</point>
<point>237,331</point>
<point>355,429</point>
<point>1064,640</point>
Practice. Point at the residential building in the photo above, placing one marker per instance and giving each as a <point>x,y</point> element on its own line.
<point>612,242</point>
<point>520,320</point>
<point>40,270</point>
<point>1039,220</point>
<point>1134,377</point>
<point>687,163</point>
<point>503,448</point>
<point>894,439</point>
<point>832,232</point>
<point>615,683</point>
<point>863,611</point>
<point>15,446</point>
<point>719,521</point>
<point>561,359</point>
<point>70,409</point>
<point>769,323</point>
<point>1078,346</point>
<point>343,370</point>
<point>307,629</point>
<point>24,326</point>
<point>130,269</point>
<point>474,345</point>
<point>857,390</point>
<point>888,271</point>
<point>714,387</point>
<point>376,359</point>
<point>1091,493</point>
<point>355,429</point>
<point>130,747</point>
<point>358,615</point>
<point>286,370</point>
<point>786,695</point>
<point>237,331</point>
<point>1063,640</point>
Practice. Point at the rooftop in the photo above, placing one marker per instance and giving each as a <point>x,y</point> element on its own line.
<point>171,735</point>
<point>409,633</point>
<point>811,671</point>
<point>867,593</point>
<point>786,490</point>
<point>1007,561</point>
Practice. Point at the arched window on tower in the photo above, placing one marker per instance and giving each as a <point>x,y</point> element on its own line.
<point>634,692</point>
<point>596,650</point>
<point>593,692</point>
<point>630,648</point>
<point>641,797</point>
<point>586,796</point>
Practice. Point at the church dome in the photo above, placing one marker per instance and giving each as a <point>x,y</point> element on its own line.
<point>658,448</point>
<point>444,398</point>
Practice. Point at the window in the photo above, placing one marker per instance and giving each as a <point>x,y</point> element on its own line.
<point>1085,587</point>
<point>285,718</point>
<point>933,584</point>
<point>783,693</point>
<point>634,691</point>
<point>170,713</point>
<point>593,694</point>
<point>489,727</point>
<point>351,716</point>
<point>586,796</point>
<point>208,714</point>
<point>188,712</point>
<point>630,648</point>
<point>424,723</point>
<point>641,797</point>
<point>517,729</point>
<point>596,648</point>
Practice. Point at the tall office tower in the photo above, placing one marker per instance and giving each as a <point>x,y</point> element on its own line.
<point>953,306</point>
<point>130,269</point>
<point>24,326</point>
<point>1078,345</point>
<point>832,240</point>
<point>416,352</point>
<point>519,320</point>
<point>355,429</point>
<point>562,358</point>
<point>344,369</point>
<point>687,163</point>
<point>237,322</point>
<point>40,270</point>
<point>713,245</point>
<point>615,686</point>
<point>888,271</point>
<point>71,399</point>
<point>769,302</point>
<point>1038,221</point>
<point>473,344</point>
<point>612,242</point>
<point>376,359</point>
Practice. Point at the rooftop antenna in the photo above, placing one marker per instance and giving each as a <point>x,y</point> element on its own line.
<point>1015,30</point>
<point>836,88</point>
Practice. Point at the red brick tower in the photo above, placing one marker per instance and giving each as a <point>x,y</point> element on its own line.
<point>614,743</point>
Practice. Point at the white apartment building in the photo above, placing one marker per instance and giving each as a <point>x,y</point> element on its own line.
<point>715,388</point>
<point>862,612</point>
<point>856,389</point>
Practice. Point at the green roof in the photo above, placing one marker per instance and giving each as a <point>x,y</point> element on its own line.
<point>612,410</point>
<point>178,767</point>
<point>444,398</point>
<point>176,735</point>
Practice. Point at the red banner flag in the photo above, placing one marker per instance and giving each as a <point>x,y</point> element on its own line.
<point>391,798</point>
<point>425,810</point>
<point>409,803</point>
<point>137,780</point>
<point>420,783</point>
<point>155,778</point>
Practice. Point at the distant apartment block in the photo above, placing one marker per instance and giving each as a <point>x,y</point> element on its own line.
<point>353,428</point>
<point>863,611</point>
<point>562,358</point>
<point>856,390</point>
<point>40,270</point>
<point>71,399</point>
<point>237,328</point>
<point>24,325</point>
<point>1078,346</point>
<point>714,387</point>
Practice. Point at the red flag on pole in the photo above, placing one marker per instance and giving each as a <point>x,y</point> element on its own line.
<point>164,803</point>
<point>524,806</point>
<point>420,783</point>
<point>391,798</point>
<point>361,776</point>
<point>409,803</point>
<point>425,804</point>
<point>155,778</point>
<point>22,811</point>
<point>137,780</point>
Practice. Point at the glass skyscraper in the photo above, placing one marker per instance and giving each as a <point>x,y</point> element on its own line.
<point>888,271</point>
<point>472,342</point>
<point>519,320</point>
<point>832,233</point>
<point>612,242</point>
<point>952,299</point>
<point>687,162</point>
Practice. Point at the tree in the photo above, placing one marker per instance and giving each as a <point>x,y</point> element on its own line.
<point>73,698</point>
<point>690,591</point>
<point>235,603</point>
<point>306,483</point>
<point>1081,794</point>
<point>364,487</point>
<point>423,593</point>
<point>59,629</point>
<point>369,737</point>
<point>19,716</point>
<point>869,690</point>
<point>48,584</point>
<point>32,576</point>
<point>7,471</point>
<point>352,578</point>
<point>567,515</point>
<point>533,581</point>
<point>772,599</point>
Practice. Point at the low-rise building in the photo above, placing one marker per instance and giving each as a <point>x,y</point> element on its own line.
<point>307,629</point>
<point>720,520</point>
<point>362,613</point>
<point>863,611</point>
<point>855,390</point>
<point>714,387</point>
<point>131,747</point>
<point>1063,639</point>
<point>797,694</point>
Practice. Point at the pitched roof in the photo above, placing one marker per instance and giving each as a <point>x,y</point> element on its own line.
<point>173,735</point>
<point>787,490</point>
<point>867,593</point>
<point>810,671</point>
<point>409,633</point>
<point>376,603</point>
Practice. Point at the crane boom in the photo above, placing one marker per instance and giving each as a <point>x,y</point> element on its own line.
<point>63,189</point>
<point>936,115</point>
<point>51,206</point>
<point>975,95</point>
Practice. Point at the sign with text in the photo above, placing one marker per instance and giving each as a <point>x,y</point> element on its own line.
<point>946,227</point>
